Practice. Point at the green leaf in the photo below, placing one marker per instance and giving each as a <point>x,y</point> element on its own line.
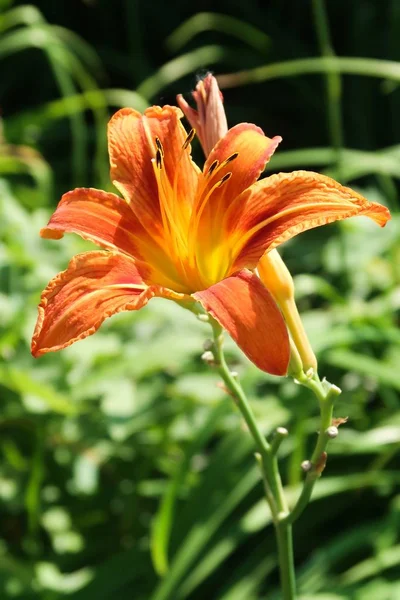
<point>370,367</point>
<point>207,21</point>
<point>22,383</point>
<point>163,520</point>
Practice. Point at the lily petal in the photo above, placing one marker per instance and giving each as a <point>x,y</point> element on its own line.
<point>108,221</point>
<point>244,307</point>
<point>279,207</point>
<point>253,149</point>
<point>99,217</point>
<point>234,164</point>
<point>132,148</point>
<point>95,286</point>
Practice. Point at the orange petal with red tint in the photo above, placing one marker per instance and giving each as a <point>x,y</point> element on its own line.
<point>253,150</point>
<point>95,286</point>
<point>244,307</point>
<point>132,147</point>
<point>108,221</point>
<point>279,207</point>
<point>99,217</point>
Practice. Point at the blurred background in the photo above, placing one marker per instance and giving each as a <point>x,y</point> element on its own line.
<point>125,471</point>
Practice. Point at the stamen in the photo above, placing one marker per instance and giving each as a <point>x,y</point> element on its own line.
<point>230,158</point>
<point>171,226</point>
<point>160,146</point>
<point>224,179</point>
<point>189,138</point>
<point>196,216</point>
<point>159,158</point>
<point>212,167</point>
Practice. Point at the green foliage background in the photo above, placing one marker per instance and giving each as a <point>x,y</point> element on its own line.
<point>125,472</point>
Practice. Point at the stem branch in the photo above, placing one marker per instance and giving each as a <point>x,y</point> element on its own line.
<point>326,394</point>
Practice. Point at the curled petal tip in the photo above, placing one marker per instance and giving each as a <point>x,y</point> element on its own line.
<point>50,234</point>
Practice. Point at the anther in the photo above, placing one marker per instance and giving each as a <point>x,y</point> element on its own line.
<point>212,167</point>
<point>224,179</point>
<point>159,158</point>
<point>159,146</point>
<point>230,158</point>
<point>189,138</point>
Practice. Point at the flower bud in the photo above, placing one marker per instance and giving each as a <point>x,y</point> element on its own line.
<point>332,432</point>
<point>208,357</point>
<point>276,276</point>
<point>209,120</point>
<point>277,279</point>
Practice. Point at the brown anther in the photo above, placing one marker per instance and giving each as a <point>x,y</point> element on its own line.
<point>189,138</point>
<point>230,158</point>
<point>159,146</point>
<point>159,159</point>
<point>224,179</point>
<point>212,167</point>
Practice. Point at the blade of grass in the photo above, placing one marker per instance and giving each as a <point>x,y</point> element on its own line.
<point>63,107</point>
<point>247,579</point>
<point>20,15</point>
<point>33,489</point>
<point>200,535</point>
<point>368,67</point>
<point>258,517</point>
<point>22,383</point>
<point>40,37</point>
<point>208,21</point>
<point>355,164</point>
<point>163,520</point>
<point>385,559</point>
<point>370,367</point>
<point>333,81</point>
<point>21,159</point>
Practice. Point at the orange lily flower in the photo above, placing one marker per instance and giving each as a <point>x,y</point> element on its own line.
<point>186,234</point>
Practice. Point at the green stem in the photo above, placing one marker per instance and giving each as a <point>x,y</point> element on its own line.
<point>326,396</point>
<point>284,538</point>
<point>237,392</point>
<point>269,465</point>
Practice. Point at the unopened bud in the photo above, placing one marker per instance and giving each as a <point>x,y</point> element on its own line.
<point>203,318</point>
<point>276,276</point>
<point>332,432</point>
<point>306,466</point>
<point>209,120</point>
<point>277,279</point>
<point>282,431</point>
<point>208,357</point>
